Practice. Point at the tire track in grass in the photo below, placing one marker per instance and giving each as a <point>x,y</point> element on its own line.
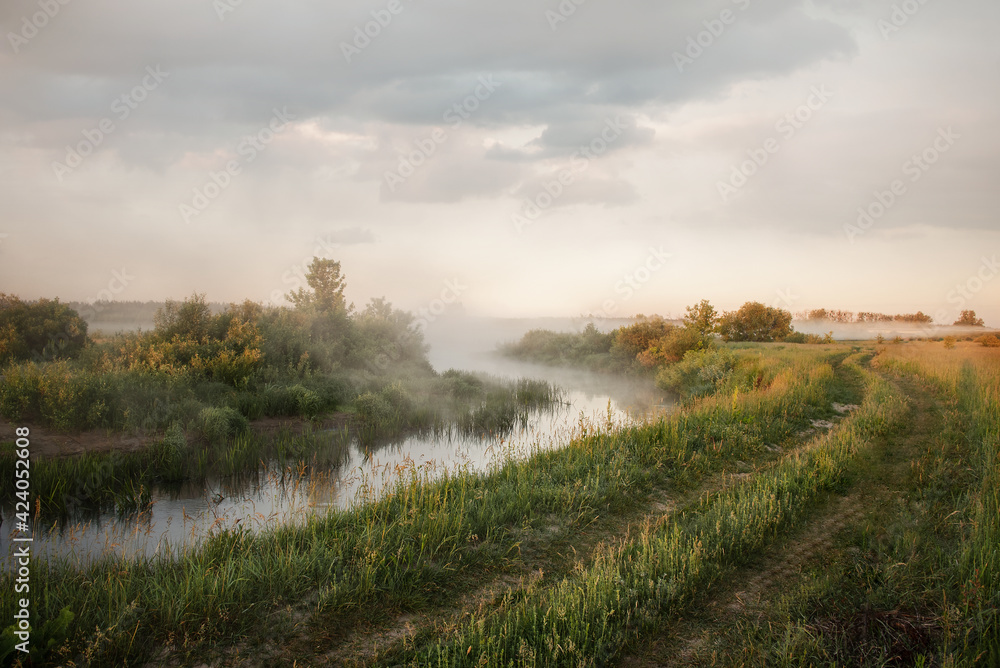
<point>757,589</point>
<point>585,620</point>
<point>602,543</point>
<point>552,556</point>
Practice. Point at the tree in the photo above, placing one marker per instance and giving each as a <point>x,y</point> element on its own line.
<point>755,322</point>
<point>701,318</point>
<point>44,329</point>
<point>969,319</point>
<point>189,319</point>
<point>327,285</point>
<point>631,340</point>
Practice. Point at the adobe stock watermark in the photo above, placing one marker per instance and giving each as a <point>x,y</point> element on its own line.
<point>248,149</point>
<point>392,350</point>
<point>785,299</point>
<point>31,26</point>
<point>915,167</point>
<point>450,294</point>
<point>965,292</point>
<point>634,281</point>
<point>455,116</point>
<point>901,14</point>
<point>223,7</point>
<point>533,207</point>
<point>120,280</point>
<point>121,108</point>
<point>714,29</point>
<point>566,9</point>
<point>365,34</point>
<point>786,126</point>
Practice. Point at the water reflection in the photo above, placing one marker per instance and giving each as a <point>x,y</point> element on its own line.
<point>290,490</point>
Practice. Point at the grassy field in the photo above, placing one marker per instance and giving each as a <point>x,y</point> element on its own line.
<point>820,505</point>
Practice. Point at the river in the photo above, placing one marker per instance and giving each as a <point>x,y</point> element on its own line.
<point>179,518</point>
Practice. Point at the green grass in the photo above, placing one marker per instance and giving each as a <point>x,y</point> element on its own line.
<point>413,546</point>
<point>586,619</point>
<point>123,481</point>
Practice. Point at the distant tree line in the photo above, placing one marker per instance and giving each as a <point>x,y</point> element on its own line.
<point>967,318</point>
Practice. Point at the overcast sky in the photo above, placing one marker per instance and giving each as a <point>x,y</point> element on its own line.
<point>522,157</point>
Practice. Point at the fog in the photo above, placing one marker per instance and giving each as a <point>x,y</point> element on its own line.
<point>470,344</point>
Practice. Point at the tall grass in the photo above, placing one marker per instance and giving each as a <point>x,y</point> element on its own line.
<point>585,619</point>
<point>415,542</point>
<point>970,375</point>
<point>123,481</point>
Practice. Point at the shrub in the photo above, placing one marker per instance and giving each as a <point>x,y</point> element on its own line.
<point>755,322</point>
<point>643,334</point>
<point>39,330</point>
<point>189,319</point>
<point>699,373</point>
<point>219,424</point>
<point>461,384</point>
<point>672,347</point>
<point>55,395</point>
<point>307,402</point>
<point>397,397</point>
<point>989,341</point>
<point>373,410</point>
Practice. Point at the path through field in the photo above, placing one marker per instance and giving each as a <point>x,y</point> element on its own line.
<point>754,591</point>
<point>739,613</point>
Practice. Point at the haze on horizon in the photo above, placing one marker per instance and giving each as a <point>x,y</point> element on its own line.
<point>525,159</point>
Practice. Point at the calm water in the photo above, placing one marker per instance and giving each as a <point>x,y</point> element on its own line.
<point>271,496</point>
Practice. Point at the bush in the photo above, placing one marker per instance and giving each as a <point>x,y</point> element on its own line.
<point>373,410</point>
<point>220,424</point>
<point>799,337</point>
<point>55,396</point>
<point>461,384</point>
<point>672,347</point>
<point>989,341</point>
<point>756,322</point>
<point>39,330</point>
<point>699,373</point>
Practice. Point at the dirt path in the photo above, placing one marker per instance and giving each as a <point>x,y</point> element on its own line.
<point>546,556</point>
<point>752,591</point>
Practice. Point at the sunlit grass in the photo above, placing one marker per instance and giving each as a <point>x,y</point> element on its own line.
<point>408,546</point>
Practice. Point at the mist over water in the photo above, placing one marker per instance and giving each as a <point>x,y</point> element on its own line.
<point>179,518</point>
<point>470,344</point>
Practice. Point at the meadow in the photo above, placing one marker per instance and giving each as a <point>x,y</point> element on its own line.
<point>809,504</point>
<point>588,554</point>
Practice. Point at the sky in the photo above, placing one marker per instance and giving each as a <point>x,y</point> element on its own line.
<point>518,159</point>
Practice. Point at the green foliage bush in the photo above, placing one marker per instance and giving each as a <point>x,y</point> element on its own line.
<point>756,322</point>
<point>461,384</point>
<point>589,348</point>
<point>218,424</point>
<point>989,341</point>
<point>799,337</point>
<point>39,330</point>
<point>373,410</point>
<point>699,373</point>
